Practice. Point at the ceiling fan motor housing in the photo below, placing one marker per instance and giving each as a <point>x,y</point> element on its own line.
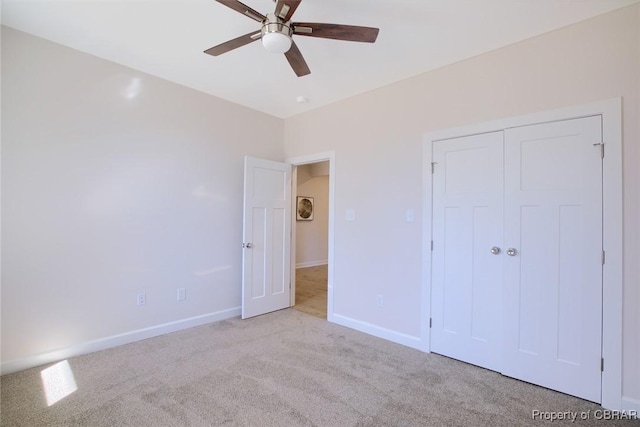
<point>276,34</point>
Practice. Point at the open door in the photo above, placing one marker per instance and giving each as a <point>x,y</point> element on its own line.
<point>266,260</point>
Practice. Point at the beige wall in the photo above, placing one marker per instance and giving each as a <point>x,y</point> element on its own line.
<point>377,138</point>
<point>312,236</point>
<point>115,182</point>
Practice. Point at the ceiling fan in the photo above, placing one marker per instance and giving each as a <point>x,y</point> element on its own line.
<point>277,31</point>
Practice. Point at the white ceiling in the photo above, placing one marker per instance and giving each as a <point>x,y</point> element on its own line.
<point>167,39</point>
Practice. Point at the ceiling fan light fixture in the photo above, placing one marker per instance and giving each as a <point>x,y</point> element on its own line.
<point>276,42</point>
<point>276,35</point>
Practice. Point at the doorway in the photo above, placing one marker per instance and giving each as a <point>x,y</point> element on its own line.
<point>312,236</point>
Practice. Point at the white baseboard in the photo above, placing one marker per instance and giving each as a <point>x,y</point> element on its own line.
<point>115,340</point>
<point>377,331</point>
<point>311,263</point>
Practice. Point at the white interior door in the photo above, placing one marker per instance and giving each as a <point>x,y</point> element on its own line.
<point>266,261</point>
<point>553,281</point>
<point>467,224</point>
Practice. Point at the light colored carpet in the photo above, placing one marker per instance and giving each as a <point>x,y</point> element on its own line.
<point>311,290</point>
<point>281,369</point>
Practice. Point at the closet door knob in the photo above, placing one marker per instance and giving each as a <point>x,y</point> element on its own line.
<point>495,250</point>
<point>511,252</point>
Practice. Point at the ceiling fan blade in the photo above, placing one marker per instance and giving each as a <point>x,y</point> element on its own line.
<point>296,61</point>
<point>286,8</point>
<point>336,31</point>
<point>233,44</point>
<point>243,9</point>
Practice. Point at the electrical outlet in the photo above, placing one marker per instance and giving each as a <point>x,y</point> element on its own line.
<point>410,215</point>
<point>182,294</point>
<point>141,298</point>
<point>379,301</point>
<point>350,215</point>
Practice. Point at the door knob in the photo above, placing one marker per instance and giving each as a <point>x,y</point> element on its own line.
<point>511,252</point>
<point>495,250</point>
<point>246,245</point>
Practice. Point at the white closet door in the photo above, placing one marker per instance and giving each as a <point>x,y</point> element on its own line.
<point>467,223</point>
<point>553,281</point>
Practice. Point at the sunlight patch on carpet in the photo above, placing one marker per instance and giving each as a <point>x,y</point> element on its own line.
<point>58,382</point>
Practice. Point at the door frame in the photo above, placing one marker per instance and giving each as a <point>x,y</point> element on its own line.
<point>305,160</point>
<point>612,280</point>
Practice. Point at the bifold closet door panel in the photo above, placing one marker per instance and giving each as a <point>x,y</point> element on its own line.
<point>467,224</point>
<point>553,274</point>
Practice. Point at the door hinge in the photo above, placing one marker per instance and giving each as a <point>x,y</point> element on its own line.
<point>433,167</point>
<point>430,322</point>
<point>432,245</point>
<point>604,257</point>
<point>602,364</point>
<point>601,144</point>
